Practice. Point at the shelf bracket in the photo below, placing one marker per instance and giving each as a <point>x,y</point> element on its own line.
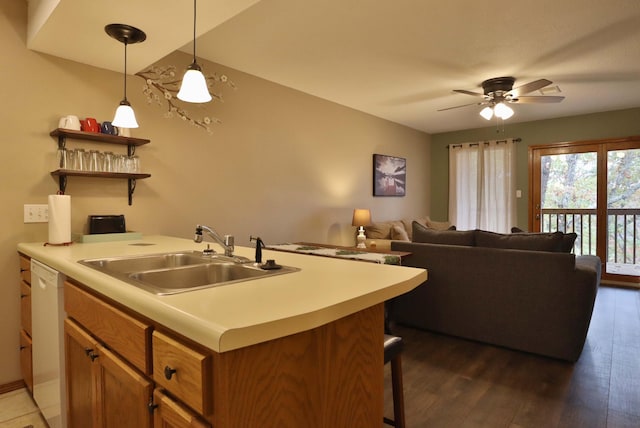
<point>62,141</point>
<point>132,188</point>
<point>62,184</point>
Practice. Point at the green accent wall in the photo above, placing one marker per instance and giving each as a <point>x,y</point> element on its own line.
<point>611,124</point>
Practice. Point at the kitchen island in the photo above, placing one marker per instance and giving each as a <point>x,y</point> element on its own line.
<point>299,349</point>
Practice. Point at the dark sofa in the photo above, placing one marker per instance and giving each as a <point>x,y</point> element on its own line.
<point>536,300</point>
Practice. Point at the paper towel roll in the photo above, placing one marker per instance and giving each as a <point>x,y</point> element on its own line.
<point>59,219</point>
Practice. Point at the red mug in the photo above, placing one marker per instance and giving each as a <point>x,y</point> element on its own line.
<point>90,124</point>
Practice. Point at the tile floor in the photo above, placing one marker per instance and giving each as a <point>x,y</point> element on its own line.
<point>17,410</point>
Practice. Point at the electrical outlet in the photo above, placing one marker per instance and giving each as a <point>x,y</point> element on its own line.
<point>36,213</point>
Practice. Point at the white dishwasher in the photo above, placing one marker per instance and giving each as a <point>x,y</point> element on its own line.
<point>47,318</point>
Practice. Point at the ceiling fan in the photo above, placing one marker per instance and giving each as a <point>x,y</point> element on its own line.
<point>499,91</point>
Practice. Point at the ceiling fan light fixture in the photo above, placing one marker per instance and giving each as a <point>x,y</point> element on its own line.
<point>194,85</point>
<point>503,111</point>
<point>487,113</point>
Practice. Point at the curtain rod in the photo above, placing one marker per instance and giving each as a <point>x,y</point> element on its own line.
<point>515,140</point>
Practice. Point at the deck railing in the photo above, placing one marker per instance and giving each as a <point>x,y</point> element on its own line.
<point>623,231</point>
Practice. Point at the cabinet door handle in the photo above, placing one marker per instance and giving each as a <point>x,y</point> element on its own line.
<point>168,372</point>
<point>90,353</point>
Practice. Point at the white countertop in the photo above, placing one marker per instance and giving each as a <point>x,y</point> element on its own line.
<point>236,315</point>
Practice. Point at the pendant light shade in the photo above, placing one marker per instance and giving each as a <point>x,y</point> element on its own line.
<point>125,116</point>
<point>194,85</point>
<point>126,34</point>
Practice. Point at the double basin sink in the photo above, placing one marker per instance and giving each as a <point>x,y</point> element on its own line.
<point>177,272</point>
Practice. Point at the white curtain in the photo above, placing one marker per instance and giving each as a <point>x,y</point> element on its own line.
<point>482,185</point>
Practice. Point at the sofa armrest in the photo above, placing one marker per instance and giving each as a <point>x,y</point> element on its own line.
<point>590,263</point>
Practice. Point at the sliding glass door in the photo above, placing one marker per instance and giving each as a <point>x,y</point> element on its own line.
<point>592,189</point>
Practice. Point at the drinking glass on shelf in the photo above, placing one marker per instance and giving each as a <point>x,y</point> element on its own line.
<point>94,161</point>
<point>79,160</point>
<point>135,164</point>
<point>109,162</point>
<point>121,163</point>
<point>62,159</point>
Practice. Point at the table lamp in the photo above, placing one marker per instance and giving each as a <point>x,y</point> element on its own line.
<point>361,218</point>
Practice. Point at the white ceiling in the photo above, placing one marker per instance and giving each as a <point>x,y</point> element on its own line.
<point>398,60</point>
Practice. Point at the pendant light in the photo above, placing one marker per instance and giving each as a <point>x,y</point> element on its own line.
<point>125,117</point>
<point>194,85</point>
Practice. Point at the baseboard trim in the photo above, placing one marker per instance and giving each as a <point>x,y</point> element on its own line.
<point>12,386</point>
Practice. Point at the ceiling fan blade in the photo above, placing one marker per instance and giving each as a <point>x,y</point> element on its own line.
<point>529,87</point>
<point>464,105</point>
<point>462,91</point>
<point>538,99</point>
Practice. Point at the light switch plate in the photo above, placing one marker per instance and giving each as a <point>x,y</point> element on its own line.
<point>36,213</point>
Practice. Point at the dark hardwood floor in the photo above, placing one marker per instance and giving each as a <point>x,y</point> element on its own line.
<point>450,382</point>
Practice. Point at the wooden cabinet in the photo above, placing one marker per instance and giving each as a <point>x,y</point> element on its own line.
<point>171,414</point>
<point>329,376</point>
<point>26,360</point>
<point>102,389</point>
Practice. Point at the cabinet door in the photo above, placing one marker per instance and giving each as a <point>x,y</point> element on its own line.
<point>25,360</point>
<point>171,414</point>
<point>123,394</point>
<point>25,306</point>
<point>80,351</point>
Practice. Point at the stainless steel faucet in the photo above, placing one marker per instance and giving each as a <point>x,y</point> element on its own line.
<point>226,242</point>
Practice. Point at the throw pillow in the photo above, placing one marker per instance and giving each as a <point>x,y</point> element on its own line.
<point>427,235</point>
<point>399,234</point>
<point>437,225</point>
<point>520,241</point>
<point>568,239</point>
<point>567,242</point>
<point>381,230</point>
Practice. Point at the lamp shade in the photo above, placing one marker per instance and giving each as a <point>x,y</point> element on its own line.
<point>487,113</point>
<point>361,217</point>
<point>503,111</point>
<point>125,117</point>
<point>194,86</point>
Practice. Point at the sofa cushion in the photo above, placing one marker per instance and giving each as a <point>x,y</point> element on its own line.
<point>379,230</point>
<point>437,225</point>
<point>426,235</point>
<point>520,241</point>
<point>568,239</point>
<point>398,233</point>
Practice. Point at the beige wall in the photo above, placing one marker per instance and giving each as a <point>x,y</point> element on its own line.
<point>284,165</point>
<point>612,124</point>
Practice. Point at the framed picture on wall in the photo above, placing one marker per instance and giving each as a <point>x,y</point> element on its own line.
<point>389,175</point>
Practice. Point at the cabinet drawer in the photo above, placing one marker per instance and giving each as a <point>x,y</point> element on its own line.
<point>25,269</point>
<point>183,371</point>
<point>128,336</point>
<point>170,413</point>
<point>25,307</point>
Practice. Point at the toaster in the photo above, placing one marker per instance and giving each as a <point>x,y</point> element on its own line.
<point>106,224</point>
